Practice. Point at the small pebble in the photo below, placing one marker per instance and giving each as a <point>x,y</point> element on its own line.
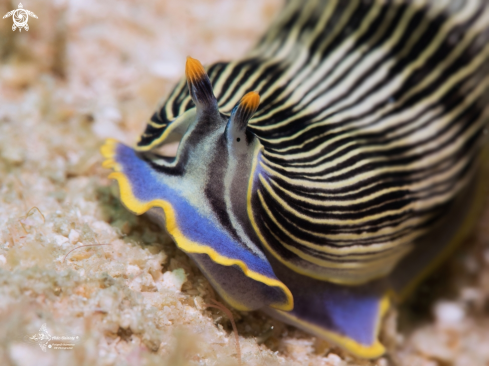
<point>448,313</point>
<point>60,239</point>
<point>334,360</point>
<point>172,280</point>
<point>74,236</point>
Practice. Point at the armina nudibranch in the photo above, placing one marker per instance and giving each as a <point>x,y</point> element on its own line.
<point>324,174</point>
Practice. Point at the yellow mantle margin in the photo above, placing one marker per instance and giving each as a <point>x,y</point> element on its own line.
<point>187,245</point>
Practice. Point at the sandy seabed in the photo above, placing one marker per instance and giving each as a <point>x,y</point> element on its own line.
<point>88,70</point>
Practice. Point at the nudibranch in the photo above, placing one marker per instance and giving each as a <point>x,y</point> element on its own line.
<point>328,171</point>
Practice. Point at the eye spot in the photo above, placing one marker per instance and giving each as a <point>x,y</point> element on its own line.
<point>238,139</point>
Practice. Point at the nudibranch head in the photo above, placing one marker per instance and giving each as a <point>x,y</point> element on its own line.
<point>211,133</point>
<point>200,195</point>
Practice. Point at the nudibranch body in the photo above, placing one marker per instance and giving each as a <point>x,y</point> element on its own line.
<point>325,173</point>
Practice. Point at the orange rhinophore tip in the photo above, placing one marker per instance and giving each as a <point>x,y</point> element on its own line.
<point>251,101</point>
<point>200,87</point>
<point>194,70</point>
<point>244,110</point>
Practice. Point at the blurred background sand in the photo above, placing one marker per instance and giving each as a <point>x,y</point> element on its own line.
<point>88,70</point>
